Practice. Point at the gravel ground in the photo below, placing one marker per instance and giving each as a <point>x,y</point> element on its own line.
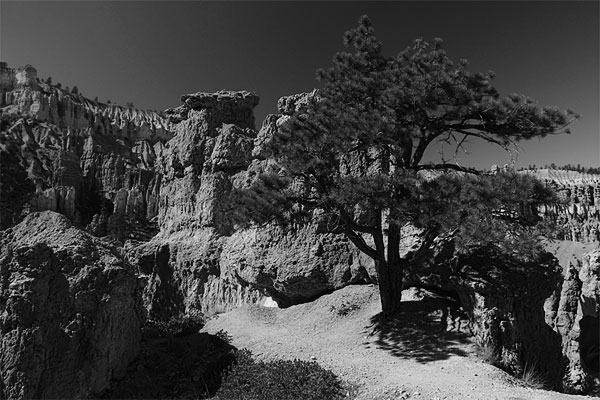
<point>415,359</point>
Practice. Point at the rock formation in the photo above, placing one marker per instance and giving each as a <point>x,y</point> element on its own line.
<point>70,311</point>
<point>581,270</point>
<point>198,260</point>
<point>131,174</point>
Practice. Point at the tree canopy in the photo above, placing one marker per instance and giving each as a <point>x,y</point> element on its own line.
<point>354,152</point>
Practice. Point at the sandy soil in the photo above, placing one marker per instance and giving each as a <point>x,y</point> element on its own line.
<point>417,359</point>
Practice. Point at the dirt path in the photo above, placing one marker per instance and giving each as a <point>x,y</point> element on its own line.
<point>416,359</point>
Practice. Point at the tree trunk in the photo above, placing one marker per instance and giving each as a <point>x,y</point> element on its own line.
<point>390,287</point>
<point>390,273</point>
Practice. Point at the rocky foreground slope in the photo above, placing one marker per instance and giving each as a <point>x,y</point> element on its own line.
<point>157,189</point>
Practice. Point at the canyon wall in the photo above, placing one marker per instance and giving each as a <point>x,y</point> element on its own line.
<point>90,161</point>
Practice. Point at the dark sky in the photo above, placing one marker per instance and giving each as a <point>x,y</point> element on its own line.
<point>151,52</point>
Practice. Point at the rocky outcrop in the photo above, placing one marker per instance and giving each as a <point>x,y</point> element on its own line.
<point>294,265</point>
<point>201,260</point>
<point>70,311</point>
<point>581,271</point>
<point>506,302</point>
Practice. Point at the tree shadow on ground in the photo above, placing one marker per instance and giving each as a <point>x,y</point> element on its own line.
<point>421,331</point>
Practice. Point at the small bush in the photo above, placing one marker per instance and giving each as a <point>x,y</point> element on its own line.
<point>344,309</point>
<point>278,380</point>
<point>488,354</point>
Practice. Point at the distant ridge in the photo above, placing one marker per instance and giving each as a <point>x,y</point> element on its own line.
<point>564,177</point>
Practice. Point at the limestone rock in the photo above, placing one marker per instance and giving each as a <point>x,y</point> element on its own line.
<point>70,311</point>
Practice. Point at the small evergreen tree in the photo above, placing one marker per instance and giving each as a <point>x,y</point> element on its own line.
<point>354,154</point>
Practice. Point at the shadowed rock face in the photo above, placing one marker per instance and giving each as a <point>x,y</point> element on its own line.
<point>581,277</point>
<point>70,311</point>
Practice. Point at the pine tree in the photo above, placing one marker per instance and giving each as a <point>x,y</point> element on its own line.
<point>354,153</point>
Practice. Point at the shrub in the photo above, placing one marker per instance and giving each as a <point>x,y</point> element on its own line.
<point>488,354</point>
<point>278,380</point>
<point>344,309</point>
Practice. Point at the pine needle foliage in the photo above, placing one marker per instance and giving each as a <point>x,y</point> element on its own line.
<point>353,154</point>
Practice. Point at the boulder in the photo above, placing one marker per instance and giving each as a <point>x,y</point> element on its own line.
<point>70,311</point>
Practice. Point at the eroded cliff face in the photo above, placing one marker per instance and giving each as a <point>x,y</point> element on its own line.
<point>70,311</point>
<point>580,214</point>
<point>90,161</point>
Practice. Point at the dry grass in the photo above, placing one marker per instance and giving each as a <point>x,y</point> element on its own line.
<point>533,378</point>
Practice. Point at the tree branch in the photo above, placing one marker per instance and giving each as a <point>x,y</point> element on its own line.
<point>360,243</point>
<point>449,166</point>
